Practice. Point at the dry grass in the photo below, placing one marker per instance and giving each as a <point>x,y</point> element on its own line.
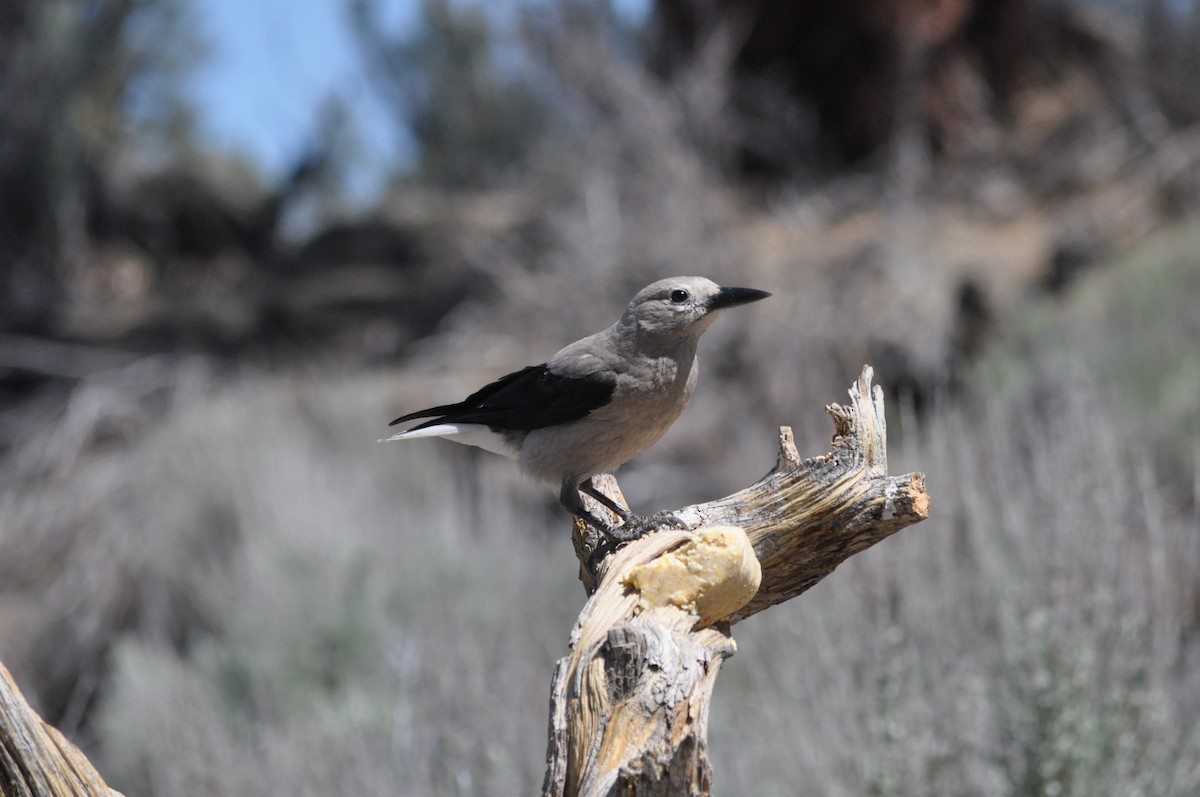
<point>290,607</point>
<point>264,600</point>
<point>1037,636</point>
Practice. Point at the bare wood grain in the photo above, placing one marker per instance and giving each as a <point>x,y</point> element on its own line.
<point>629,704</point>
<point>35,759</point>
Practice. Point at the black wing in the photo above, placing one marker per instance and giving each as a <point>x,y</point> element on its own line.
<point>532,398</point>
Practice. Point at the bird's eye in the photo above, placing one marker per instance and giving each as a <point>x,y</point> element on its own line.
<point>679,296</point>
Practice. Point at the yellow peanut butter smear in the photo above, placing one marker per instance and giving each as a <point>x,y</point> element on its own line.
<point>711,576</point>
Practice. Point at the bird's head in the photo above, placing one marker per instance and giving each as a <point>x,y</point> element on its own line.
<point>682,306</point>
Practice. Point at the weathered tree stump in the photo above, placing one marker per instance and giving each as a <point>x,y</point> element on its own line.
<point>629,704</point>
<point>35,759</point>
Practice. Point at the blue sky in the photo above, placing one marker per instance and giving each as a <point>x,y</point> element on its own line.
<point>272,63</point>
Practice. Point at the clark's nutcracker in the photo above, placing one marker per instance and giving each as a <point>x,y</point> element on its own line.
<point>599,402</point>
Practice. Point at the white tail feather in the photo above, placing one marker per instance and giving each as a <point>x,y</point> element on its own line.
<point>469,434</point>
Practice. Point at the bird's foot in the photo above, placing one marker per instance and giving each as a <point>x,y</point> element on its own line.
<point>636,526</point>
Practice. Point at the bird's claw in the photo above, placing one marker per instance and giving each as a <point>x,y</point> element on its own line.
<point>659,521</point>
<point>634,527</point>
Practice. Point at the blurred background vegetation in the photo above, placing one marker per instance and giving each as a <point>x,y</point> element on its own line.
<point>215,581</point>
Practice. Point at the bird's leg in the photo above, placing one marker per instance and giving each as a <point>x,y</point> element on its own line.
<point>632,526</point>
<point>572,501</point>
<point>608,503</point>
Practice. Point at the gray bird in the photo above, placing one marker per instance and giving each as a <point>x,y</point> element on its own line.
<point>597,403</point>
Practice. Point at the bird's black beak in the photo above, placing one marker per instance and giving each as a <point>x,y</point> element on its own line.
<point>732,297</point>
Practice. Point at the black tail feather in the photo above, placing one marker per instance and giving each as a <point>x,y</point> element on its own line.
<point>432,412</point>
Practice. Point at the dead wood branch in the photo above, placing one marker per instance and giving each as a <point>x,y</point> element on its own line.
<point>629,704</point>
<point>35,759</point>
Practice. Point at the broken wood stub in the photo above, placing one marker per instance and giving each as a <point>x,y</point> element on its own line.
<point>629,704</point>
<point>35,759</point>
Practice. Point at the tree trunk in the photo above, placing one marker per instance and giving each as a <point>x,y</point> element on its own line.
<point>629,704</point>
